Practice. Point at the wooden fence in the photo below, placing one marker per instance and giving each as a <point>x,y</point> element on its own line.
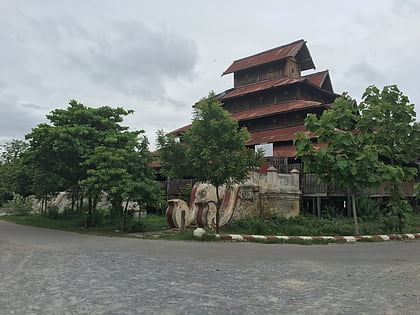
<point>309,184</point>
<point>175,188</point>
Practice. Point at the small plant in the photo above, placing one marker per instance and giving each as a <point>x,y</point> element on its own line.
<point>52,212</point>
<point>329,211</point>
<point>136,226</point>
<point>390,224</point>
<point>20,205</point>
<point>186,192</point>
<point>368,207</point>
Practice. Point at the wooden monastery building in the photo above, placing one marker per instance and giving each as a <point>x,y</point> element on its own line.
<point>271,97</point>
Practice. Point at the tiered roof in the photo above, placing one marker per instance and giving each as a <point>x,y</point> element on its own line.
<point>296,50</point>
<point>299,53</point>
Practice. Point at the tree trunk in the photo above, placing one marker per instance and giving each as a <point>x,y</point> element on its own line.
<point>217,210</point>
<point>73,201</point>
<point>348,204</point>
<point>90,207</point>
<point>123,212</point>
<point>81,202</point>
<point>353,207</point>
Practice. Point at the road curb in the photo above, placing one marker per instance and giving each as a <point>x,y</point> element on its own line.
<point>345,239</point>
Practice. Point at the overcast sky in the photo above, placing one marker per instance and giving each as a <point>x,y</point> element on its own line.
<point>160,57</point>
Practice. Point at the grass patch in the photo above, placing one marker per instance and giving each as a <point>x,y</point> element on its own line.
<point>39,221</point>
<point>149,223</point>
<point>297,226</point>
<point>312,226</point>
<point>154,223</point>
<point>188,236</point>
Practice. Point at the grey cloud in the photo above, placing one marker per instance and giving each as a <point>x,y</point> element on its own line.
<point>126,55</point>
<point>363,72</point>
<point>32,106</point>
<point>135,59</point>
<point>406,8</point>
<point>16,119</point>
<point>46,60</point>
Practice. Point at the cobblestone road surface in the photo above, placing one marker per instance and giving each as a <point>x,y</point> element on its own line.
<point>53,272</point>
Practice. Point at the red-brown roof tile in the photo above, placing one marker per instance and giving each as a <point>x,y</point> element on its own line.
<point>278,53</point>
<point>290,150</point>
<point>273,109</point>
<point>181,130</point>
<point>284,150</point>
<point>260,86</point>
<point>275,135</point>
<point>320,79</point>
<point>317,78</point>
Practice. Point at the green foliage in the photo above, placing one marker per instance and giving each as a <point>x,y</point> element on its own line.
<point>87,151</point>
<point>15,177</point>
<point>12,150</point>
<point>312,226</point>
<point>20,205</point>
<point>417,190</point>
<point>57,150</point>
<point>213,150</point>
<point>342,153</point>
<point>52,212</point>
<point>186,192</point>
<point>366,145</point>
<point>172,155</point>
<point>136,226</point>
<point>102,223</point>
<point>216,145</point>
<point>368,207</point>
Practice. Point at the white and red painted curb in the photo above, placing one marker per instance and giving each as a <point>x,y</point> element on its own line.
<point>346,239</point>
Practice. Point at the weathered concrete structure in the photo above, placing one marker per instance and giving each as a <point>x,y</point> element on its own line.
<point>263,195</point>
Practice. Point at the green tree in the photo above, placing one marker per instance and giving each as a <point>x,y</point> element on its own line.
<point>121,167</point>
<point>81,144</point>
<point>390,117</point>
<point>60,148</point>
<point>15,177</point>
<point>172,155</point>
<point>214,148</point>
<point>12,150</point>
<point>352,149</point>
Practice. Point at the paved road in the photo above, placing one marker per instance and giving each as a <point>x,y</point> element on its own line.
<point>52,272</point>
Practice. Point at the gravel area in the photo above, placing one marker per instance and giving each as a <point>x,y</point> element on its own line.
<point>53,272</point>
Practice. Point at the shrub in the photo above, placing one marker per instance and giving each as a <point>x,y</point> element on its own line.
<point>20,205</point>
<point>52,212</point>
<point>309,225</point>
<point>136,226</point>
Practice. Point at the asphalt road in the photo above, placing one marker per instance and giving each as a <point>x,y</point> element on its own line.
<point>52,272</point>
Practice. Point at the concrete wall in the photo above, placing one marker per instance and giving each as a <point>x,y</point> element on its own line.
<point>269,194</point>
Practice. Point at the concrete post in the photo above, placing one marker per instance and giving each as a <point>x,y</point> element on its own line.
<point>271,176</point>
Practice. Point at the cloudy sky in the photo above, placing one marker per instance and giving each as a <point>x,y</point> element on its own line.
<point>160,57</point>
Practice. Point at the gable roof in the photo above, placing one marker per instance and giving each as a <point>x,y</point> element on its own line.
<point>260,86</point>
<point>274,109</point>
<point>320,79</point>
<point>181,130</point>
<point>275,135</point>
<point>297,50</point>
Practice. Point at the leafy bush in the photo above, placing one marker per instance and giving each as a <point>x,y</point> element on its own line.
<point>52,212</point>
<point>20,205</point>
<point>368,207</point>
<point>186,192</point>
<point>309,225</point>
<point>136,226</point>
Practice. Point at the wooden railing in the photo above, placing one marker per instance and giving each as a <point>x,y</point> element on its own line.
<point>310,185</point>
<point>175,188</point>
